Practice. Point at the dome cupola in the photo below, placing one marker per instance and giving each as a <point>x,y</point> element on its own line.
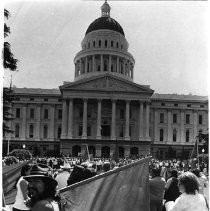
<point>105,21</point>
<point>104,49</point>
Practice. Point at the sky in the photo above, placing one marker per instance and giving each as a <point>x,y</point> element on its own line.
<point>168,40</point>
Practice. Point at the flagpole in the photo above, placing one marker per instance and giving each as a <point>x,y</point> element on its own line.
<point>197,151</point>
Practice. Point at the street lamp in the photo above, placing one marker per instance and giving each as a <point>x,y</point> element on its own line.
<point>24,146</point>
<point>203,154</point>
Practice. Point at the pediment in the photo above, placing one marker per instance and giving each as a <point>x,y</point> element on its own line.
<point>107,83</point>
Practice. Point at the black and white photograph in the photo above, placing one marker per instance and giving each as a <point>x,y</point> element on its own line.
<point>105,105</point>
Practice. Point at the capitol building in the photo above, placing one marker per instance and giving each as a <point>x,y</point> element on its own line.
<point>103,106</point>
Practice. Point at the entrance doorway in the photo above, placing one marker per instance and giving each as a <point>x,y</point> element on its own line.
<point>92,150</point>
<point>75,150</point>
<point>105,152</point>
<point>121,152</point>
<point>134,151</point>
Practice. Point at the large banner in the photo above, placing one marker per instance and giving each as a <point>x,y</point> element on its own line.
<point>10,175</point>
<point>122,189</point>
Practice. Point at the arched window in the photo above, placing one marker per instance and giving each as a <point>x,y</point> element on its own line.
<point>17,131</point>
<point>117,45</point>
<point>112,44</point>
<point>187,135</point>
<point>99,43</point>
<point>45,131</point>
<point>31,131</point>
<point>88,45</point>
<point>161,134</point>
<point>94,43</point>
<point>174,135</point>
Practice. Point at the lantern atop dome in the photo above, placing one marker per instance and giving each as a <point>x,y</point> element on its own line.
<point>105,9</point>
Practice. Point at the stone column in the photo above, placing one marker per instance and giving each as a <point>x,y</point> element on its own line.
<point>182,138</point>
<point>38,122</point>
<point>102,63</point>
<point>118,65</point>
<point>132,72</point>
<point>156,138</point>
<point>75,69</point>
<point>98,135</point>
<point>113,129</point>
<point>141,120</point>
<point>129,67</point>
<point>23,129</point>
<point>52,123</point>
<point>147,120</point>
<point>70,120</point>
<point>98,150</point>
<point>127,120</point>
<point>86,64</point>
<point>112,149</point>
<point>195,123</point>
<point>127,150</point>
<point>124,62</point>
<point>169,127</point>
<point>64,120</point>
<point>93,63</point>
<point>84,125</point>
<point>110,63</point>
<point>81,69</point>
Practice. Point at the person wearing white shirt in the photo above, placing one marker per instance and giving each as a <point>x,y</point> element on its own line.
<point>190,199</point>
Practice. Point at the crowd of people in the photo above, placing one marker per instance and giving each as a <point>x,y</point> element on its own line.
<point>174,184</point>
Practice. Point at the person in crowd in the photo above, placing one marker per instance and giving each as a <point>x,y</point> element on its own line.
<point>157,189</point>
<point>79,174</point>
<point>42,189</point>
<point>190,199</point>
<point>22,190</point>
<point>172,189</point>
<point>201,180</point>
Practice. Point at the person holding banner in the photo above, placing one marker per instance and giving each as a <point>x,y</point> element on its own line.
<point>22,190</point>
<point>157,189</point>
<point>42,189</point>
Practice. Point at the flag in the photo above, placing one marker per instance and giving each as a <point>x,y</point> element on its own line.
<point>9,176</point>
<point>86,155</point>
<point>194,155</point>
<point>125,188</point>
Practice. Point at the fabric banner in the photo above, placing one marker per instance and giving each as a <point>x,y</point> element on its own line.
<point>122,189</point>
<point>10,175</point>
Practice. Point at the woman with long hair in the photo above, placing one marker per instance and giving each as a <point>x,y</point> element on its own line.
<point>190,199</point>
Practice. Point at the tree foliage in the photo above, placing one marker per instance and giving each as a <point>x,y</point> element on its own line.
<point>21,154</point>
<point>9,62</point>
<point>204,139</point>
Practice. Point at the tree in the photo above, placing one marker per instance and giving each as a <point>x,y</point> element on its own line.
<point>9,63</point>
<point>204,139</point>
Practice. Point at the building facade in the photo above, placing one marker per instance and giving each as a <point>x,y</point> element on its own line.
<point>103,107</point>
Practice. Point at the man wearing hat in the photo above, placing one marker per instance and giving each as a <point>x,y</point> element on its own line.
<point>42,189</point>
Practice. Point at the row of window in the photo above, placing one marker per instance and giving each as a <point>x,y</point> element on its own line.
<point>176,105</point>
<point>104,43</point>
<point>187,135</point>
<point>105,131</point>
<point>32,131</point>
<point>187,118</point>
<point>32,113</point>
<point>32,99</point>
